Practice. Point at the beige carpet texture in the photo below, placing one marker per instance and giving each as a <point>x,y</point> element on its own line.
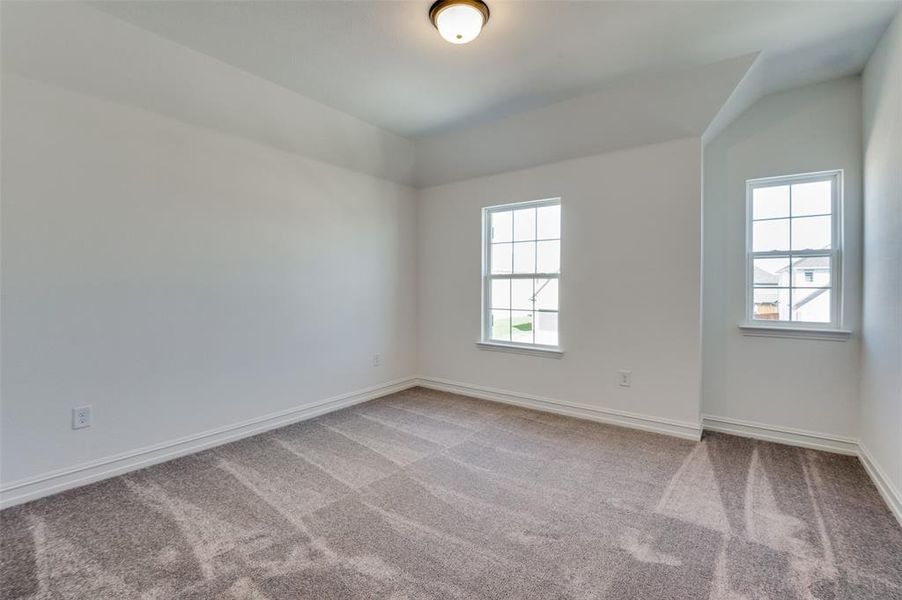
<point>424,494</point>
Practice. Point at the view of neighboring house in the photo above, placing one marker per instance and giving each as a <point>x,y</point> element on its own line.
<point>798,290</point>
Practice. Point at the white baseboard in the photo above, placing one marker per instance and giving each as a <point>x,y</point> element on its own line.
<point>690,431</point>
<point>816,441</point>
<point>17,492</point>
<point>891,495</point>
<point>770,433</point>
<point>24,490</point>
<point>782,435</point>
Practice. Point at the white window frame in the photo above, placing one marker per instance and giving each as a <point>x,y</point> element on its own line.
<point>486,342</point>
<point>785,328</point>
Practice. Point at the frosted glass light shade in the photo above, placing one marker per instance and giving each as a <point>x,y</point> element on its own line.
<point>459,21</point>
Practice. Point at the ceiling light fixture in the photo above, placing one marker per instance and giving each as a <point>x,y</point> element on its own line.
<point>459,21</point>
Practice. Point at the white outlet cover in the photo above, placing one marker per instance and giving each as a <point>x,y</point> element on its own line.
<point>82,417</point>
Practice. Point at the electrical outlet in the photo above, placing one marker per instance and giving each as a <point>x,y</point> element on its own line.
<point>625,378</point>
<point>81,417</point>
<point>377,360</point>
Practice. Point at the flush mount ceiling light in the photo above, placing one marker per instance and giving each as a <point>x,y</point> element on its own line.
<point>459,21</point>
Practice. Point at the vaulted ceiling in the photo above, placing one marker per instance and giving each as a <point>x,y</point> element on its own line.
<point>383,62</point>
<point>371,86</point>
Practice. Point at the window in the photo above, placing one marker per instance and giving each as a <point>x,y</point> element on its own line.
<point>794,250</point>
<point>521,273</point>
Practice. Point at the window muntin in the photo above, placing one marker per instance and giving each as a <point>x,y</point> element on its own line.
<point>521,273</point>
<point>794,250</point>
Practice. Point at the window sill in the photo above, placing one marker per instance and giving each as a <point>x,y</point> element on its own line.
<point>802,333</point>
<point>544,351</point>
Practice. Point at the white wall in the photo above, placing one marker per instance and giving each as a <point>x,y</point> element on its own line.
<point>179,279</point>
<point>881,357</point>
<point>792,383</point>
<point>629,281</point>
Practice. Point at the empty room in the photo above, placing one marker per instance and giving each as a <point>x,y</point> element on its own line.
<point>454,299</point>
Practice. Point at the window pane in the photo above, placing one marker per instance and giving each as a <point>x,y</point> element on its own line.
<point>524,224</point>
<point>501,325</point>
<point>502,256</point>
<point>813,198</point>
<point>770,235</point>
<point>771,305</point>
<point>771,271</point>
<point>549,257</point>
<point>525,257</point>
<point>811,271</point>
<point>521,326</point>
<point>546,328</point>
<point>502,226</point>
<point>521,294</point>
<point>811,233</point>
<point>501,293</point>
<point>514,291</point>
<point>811,305</point>
<point>546,294</point>
<point>549,222</point>
<point>770,202</point>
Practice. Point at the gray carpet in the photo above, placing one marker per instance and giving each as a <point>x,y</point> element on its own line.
<point>430,495</point>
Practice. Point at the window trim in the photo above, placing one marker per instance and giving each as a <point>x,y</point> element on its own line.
<point>801,333</point>
<point>817,330</point>
<point>531,350</point>
<point>485,340</point>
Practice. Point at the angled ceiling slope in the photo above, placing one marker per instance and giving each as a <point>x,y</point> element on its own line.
<point>776,71</point>
<point>384,63</point>
<point>508,103</point>
<point>77,47</point>
<point>635,112</point>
